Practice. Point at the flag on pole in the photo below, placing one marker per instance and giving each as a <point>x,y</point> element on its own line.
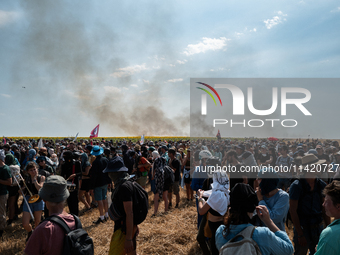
<point>94,132</point>
<point>75,137</point>
<point>142,140</point>
<point>40,144</point>
<point>4,140</point>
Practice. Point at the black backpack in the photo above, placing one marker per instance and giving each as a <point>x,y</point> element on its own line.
<point>77,241</point>
<point>169,174</point>
<point>140,203</point>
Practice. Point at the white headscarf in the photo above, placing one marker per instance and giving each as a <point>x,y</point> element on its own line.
<point>155,155</point>
<point>219,198</point>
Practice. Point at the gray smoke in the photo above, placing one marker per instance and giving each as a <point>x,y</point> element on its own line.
<point>73,51</point>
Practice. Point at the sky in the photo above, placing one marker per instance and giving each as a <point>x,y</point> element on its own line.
<point>67,66</point>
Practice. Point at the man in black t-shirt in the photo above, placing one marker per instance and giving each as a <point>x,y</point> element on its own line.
<point>122,203</point>
<point>235,173</point>
<point>44,169</point>
<point>176,167</point>
<point>71,171</point>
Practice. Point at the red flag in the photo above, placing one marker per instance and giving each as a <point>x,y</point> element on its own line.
<point>4,140</point>
<point>94,132</point>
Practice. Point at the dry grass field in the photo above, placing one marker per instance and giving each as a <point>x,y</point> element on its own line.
<point>172,233</point>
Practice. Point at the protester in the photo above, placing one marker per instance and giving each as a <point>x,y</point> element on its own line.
<point>13,189</point>
<point>176,167</point>
<point>187,172</point>
<point>123,240</point>
<point>216,206</point>
<point>85,182</point>
<point>161,187</point>
<point>48,237</point>
<point>44,169</point>
<point>247,159</point>
<point>235,176</point>
<point>101,181</point>
<point>71,171</point>
<point>243,202</point>
<point>141,168</point>
<point>34,182</point>
<point>285,162</point>
<point>329,242</point>
<point>276,200</point>
<point>305,201</point>
<point>5,180</point>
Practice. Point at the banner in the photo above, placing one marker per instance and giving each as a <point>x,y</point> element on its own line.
<point>94,132</point>
<point>40,144</point>
<point>76,137</point>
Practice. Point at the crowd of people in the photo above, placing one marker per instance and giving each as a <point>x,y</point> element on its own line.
<point>243,188</point>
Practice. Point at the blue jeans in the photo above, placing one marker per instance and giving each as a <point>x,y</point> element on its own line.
<point>312,234</point>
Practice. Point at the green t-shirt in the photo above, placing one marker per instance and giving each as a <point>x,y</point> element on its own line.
<point>5,173</point>
<point>329,242</point>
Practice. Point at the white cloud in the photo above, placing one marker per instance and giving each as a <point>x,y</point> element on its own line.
<point>134,85</point>
<point>254,30</point>
<point>125,88</point>
<point>182,62</point>
<point>175,80</point>
<point>8,17</point>
<point>219,69</point>
<point>172,65</point>
<point>143,91</point>
<point>156,57</point>
<point>205,45</point>
<point>112,89</point>
<point>336,10</point>
<point>275,20</point>
<point>6,95</point>
<point>129,70</point>
<point>146,81</point>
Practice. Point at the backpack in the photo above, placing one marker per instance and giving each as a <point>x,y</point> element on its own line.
<point>169,174</point>
<point>245,246</point>
<point>140,203</point>
<point>77,241</point>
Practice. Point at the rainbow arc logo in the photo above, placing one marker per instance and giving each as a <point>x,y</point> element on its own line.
<point>209,93</point>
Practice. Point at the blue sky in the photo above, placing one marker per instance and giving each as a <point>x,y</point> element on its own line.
<point>127,65</point>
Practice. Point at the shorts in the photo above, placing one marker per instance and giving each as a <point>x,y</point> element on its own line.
<point>142,181</point>
<point>118,241</point>
<point>100,193</point>
<point>174,188</point>
<point>86,185</point>
<point>166,185</point>
<point>12,191</point>
<point>187,180</point>
<point>37,206</point>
